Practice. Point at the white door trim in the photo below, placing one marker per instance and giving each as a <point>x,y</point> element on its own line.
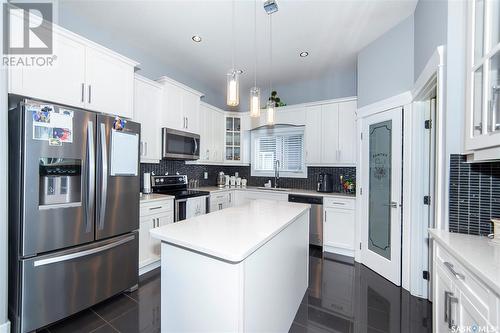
<point>385,104</point>
<point>390,269</point>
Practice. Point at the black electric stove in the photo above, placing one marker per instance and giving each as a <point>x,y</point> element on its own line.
<point>177,186</point>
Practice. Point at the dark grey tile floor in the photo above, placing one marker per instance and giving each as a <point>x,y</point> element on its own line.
<point>343,296</point>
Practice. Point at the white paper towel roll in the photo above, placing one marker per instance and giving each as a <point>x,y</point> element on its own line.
<point>147,183</point>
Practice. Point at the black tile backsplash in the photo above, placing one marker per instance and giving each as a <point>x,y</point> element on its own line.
<point>474,195</point>
<point>196,172</point>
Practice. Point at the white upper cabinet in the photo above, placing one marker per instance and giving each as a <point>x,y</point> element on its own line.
<point>63,83</point>
<point>313,135</point>
<point>84,74</point>
<point>181,106</point>
<point>147,111</point>
<point>347,132</point>
<point>110,84</point>
<point>295,116</point>
<point>330,133</point>
<point>482,123</point>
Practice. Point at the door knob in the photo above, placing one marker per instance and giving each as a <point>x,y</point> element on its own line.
<point>393,204</point>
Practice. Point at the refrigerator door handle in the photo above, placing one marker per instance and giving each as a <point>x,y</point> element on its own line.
<point>91,175</point>
<point>75,255</point>
<point>104,177</point>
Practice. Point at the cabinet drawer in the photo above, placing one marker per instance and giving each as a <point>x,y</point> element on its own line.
<point>478,294</point>
<point>342,203</point>
<point>156,207</point>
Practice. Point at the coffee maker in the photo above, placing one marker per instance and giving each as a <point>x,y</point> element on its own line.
<point>325,182</point>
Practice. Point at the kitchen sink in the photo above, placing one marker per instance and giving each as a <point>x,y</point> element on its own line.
<point>274,188</point>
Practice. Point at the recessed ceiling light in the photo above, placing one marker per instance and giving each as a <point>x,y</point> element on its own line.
<point>304,54</point>
<point>196,38</point>
<point>239,71</point>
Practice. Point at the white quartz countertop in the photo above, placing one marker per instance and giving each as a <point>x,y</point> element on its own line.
<point>478,254</point>
<point>215,189</point>
<point>154,197</point>
<point>234,233</point>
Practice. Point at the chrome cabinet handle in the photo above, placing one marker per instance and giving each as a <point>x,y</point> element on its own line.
<point>83,92</point>
<point>104,176</point>
<point>70,256</point>
<point>338,203</point>
<point>457,275</point>
<point>451,300</point>
<point>447,295</point>
<point>90,94</point>
<point>229,197</point>
<point>393,204</point>
<point>153,208</point>
<point>91,174</point>
<point>187,122</point>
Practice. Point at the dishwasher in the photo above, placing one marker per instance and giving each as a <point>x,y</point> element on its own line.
<point>315,216</point>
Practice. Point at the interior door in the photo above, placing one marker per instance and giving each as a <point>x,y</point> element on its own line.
<point>118,183</point>
<point>381,193</point>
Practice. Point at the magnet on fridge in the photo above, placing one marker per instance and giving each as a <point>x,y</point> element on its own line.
<point>119,124</point>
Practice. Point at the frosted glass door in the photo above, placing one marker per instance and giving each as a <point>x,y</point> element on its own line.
<point>379,214</point>
<point>381,193</point>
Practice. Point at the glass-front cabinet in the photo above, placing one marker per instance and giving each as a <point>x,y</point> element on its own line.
<point>483,75</point>
<point>233,138</point>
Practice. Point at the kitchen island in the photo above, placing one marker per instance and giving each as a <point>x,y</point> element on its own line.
<point>242,269</point>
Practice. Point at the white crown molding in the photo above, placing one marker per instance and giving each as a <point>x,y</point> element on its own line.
<point>148,81</point>
<point>385,104</point>
<point>166,79</point>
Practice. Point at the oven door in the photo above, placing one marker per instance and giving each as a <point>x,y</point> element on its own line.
<point>178,145</point>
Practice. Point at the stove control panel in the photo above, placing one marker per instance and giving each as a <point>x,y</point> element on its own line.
<point>169,181</point>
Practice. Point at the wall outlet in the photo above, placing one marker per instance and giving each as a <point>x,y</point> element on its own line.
<point>205,175</point>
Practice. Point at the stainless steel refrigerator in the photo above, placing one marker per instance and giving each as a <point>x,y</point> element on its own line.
<point>73,211</point>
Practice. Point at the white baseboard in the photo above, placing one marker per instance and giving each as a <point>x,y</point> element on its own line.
<point>147,268</point>
<point>5,327</point>
<point>338,250</point>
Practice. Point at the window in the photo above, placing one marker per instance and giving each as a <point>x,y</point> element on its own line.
<point>283,144</point>
<point>483,61</point>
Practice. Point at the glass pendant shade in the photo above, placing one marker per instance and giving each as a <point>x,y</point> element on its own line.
<point>270,112</point>
<point>255,102</point>
<point>233,88</point>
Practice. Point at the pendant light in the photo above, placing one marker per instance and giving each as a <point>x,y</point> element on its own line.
<point>255,91</point>
<point>233,82</point>
<point>270,104</point>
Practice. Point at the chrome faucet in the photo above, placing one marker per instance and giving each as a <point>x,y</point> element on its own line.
<point>276,173</point>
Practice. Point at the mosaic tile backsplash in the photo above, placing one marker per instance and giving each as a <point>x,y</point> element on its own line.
<point>474,195</point>
<point>196,172</point>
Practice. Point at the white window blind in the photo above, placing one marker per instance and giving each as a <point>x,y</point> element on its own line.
<point>285,145</point>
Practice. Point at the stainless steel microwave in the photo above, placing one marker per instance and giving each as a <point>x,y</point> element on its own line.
<point>179,145</point>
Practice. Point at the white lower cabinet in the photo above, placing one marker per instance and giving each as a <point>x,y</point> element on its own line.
<point>339,220</point>
<point>221,200</point>
<point>153,214</point>
<point>461,302</point>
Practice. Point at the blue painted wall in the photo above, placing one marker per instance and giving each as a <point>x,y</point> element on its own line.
<point>431,20</point>
<point>385,67</point>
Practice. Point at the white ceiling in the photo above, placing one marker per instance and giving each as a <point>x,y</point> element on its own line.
<point>333,32</point>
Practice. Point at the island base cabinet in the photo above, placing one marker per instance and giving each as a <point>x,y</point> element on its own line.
<point>461,303</point>
<point>203,293</point>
